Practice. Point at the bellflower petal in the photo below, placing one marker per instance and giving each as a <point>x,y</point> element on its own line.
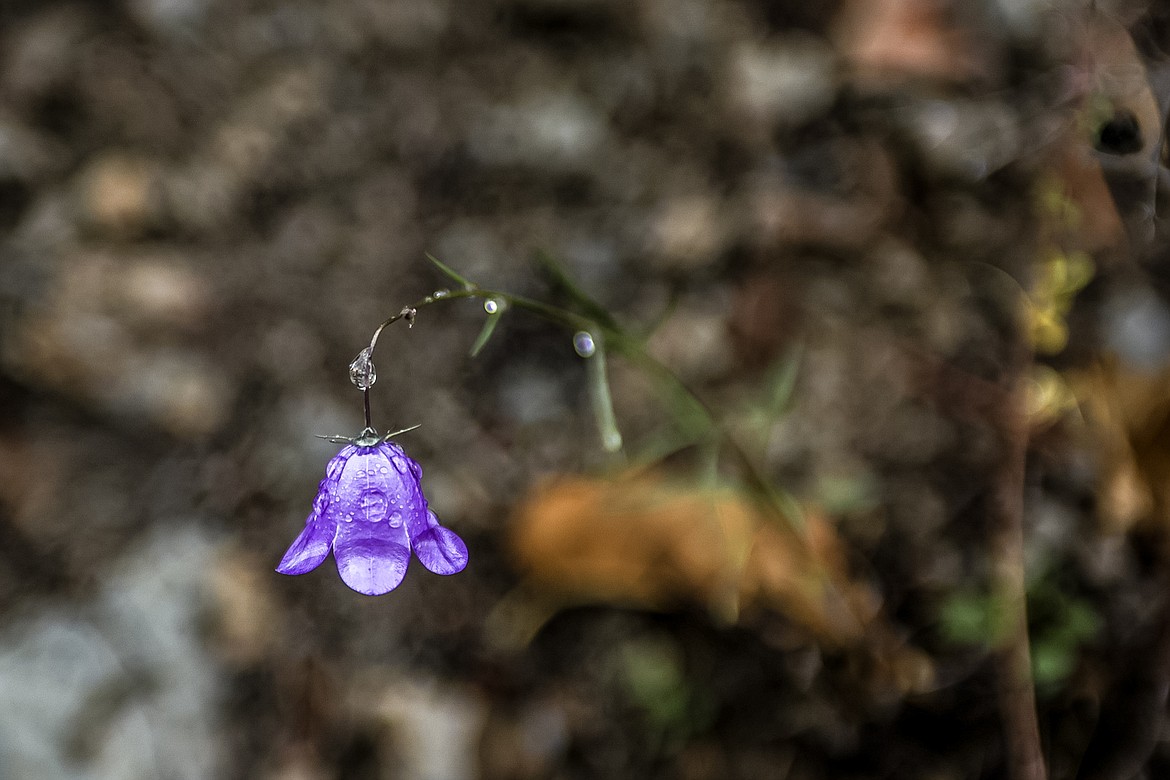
<point>372,547</point>
<point>440,549</point>
<point>312,546</point>
<point>371,561</point>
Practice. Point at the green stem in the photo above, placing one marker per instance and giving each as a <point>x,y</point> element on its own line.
<point>783,509</point>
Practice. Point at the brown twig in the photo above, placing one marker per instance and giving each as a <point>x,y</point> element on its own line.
<point>1017,698</point>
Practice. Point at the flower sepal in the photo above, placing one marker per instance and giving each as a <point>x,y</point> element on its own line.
<point>369,437</point>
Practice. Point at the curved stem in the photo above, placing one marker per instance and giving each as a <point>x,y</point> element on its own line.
<point>543,310</point>
<point>784,510</point>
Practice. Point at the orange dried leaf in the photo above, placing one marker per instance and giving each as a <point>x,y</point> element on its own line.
<point>642,541</point>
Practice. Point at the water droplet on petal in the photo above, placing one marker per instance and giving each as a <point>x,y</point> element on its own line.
<point>361,370</point>
<point>399,464</point>
<point>583,344</point>
<point>348,517</point>
<point>491,306</point>
<point>334,468</point>
<point>320,502</point>
<point>384,470</point>
<point>395,519</point>
<point>373,505</point>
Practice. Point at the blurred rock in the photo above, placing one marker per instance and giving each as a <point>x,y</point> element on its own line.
<point>91,358</point>
<point>26,155</point>
<point>121,195</point>
<point>121,689</point>
<point>168,17</point>
<point>841,205</point>
<point>205,192</point>
<point>39,714</point>
<point>695,341</point>
<point>526,746</point>
<point>101,336</point>
<point>688,232</point>
<point>411,25</point>
<point>970,140</point>
<point>1135,324</point>
<point>891,42</point>
<point>785,83</point>
<point>39,55</point>
<point>557,130</point>
<point>187,397</point>
<point>292,350</point>
<point>243,612</point>
<point>900,273</point>
<point>436,730</point>
<point>160,290</point>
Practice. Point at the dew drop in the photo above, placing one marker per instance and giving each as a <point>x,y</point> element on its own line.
<point>395,519</point>
<point>440,294</point>
<point>583,344</point>
<point>373,505</point>
<point>348,517</point>
<point>320,502</point>
<point>334,467</point>
<point>491,306</point>
<point>361,370</point>
<point>384,470</point>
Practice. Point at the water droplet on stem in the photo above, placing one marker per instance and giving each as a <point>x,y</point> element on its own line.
<point>362,372</point>
<point>583,343</point>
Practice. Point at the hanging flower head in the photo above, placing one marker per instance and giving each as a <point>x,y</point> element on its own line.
<point>371,512</point>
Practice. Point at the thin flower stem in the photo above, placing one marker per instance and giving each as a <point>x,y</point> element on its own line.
<point>552,314</point>
<point>782,509</point>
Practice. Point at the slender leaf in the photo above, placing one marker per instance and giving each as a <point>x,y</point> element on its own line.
<point>451,273</point>
<point>595,369</point>
<point>489,327</point>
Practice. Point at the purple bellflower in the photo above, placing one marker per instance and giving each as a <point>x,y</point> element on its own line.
<point>371,512</point>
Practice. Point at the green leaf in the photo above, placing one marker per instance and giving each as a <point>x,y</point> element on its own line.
<point>595,370</point>
<point>489,327</point>
<point>451,273</point>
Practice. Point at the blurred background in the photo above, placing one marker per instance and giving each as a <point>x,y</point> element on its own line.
<point>907,253</point>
